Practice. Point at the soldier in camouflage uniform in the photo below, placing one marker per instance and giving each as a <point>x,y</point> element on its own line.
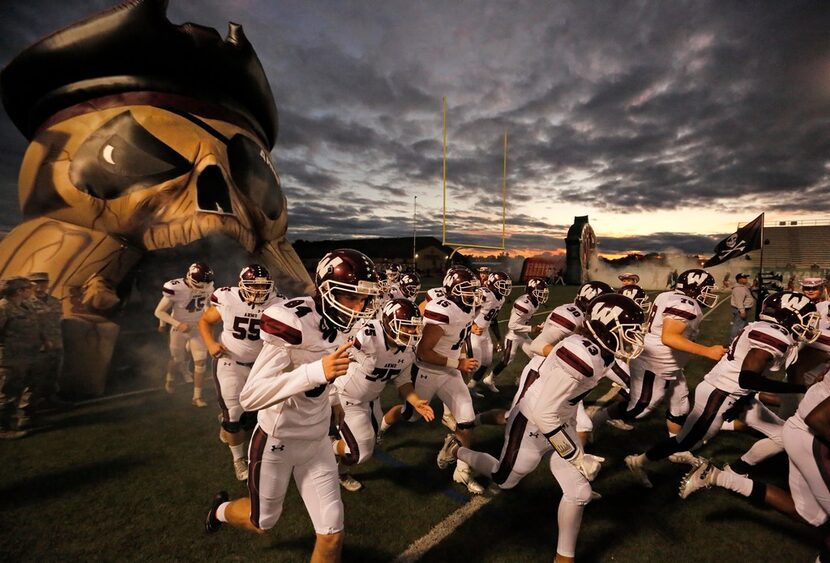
<point>20,341</point>
<point>49,361</point>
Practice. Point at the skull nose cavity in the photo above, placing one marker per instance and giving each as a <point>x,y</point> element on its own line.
<point>212,195</point>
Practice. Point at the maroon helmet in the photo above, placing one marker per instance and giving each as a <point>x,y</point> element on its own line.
<point>461,286</point>
<point>636,294</point>
<point>616,323</point>
<point>410,284</point>
<point>255,284</point>
<point>588,291</point>
<point>393,273</point>
<point>698,284</point>
<point>402,322</point>
<point>346,271</point>
<point>537,288</point>
<point>795,311</point>
<point>199,275</point>
<point>500,284</point>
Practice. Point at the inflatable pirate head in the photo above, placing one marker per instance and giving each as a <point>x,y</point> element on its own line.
<point>144,135</point>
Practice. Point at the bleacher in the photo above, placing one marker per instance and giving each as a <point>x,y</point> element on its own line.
<point>797,245</point>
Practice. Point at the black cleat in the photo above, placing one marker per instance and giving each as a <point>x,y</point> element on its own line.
<point>212,523</point>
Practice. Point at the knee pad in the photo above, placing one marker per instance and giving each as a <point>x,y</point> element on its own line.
<point>679,419</point>
<point>231,427</point>
<point>577,494</point>
<point>248,420</point>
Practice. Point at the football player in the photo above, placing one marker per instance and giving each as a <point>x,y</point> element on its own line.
<point>239,310</point>
<point>635,293</point>
<point>406,287</point>
<point>519,325</point>
<point>440,364</point>
<point>483,275</point>
<point>383,351</point>
<point>657,376</point>
<point>805,436</point>
<point>727,391</point>
<point>493,296</point>
<point>544,418</point>
<point>628,278</point>
<point>305,347</point>
<point>186,299</point>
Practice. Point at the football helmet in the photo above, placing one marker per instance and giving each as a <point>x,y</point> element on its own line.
<point>588,291</point>
<point>410,284</point>
<point>199,275</point>
<point>462,287</point>
<point>537,288</point>
<point>795,311</point>
<point>393,273</point>
<point>500,283</point>
<point>483,274</point>
<point>636,294</point>
<point>402,322</point>
<point>346,271</point>
<point>616,323</point>
<point>698,284</point>
<point>255,284</point>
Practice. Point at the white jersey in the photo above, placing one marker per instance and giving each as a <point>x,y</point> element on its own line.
<point>520,314</point>
<point>240,322</point>
<point>574,367</point>
<point>374,364</point>
<point>490,306</point>
<point>391,292</point>
<point>455,322</point>
<point>287,384</point>
<point>436,293</point>
<point>658,357</point>
<point>769,337</point>
<point>562,322</point>
<point>188,303</point>
<point>815,395</point>
<point>823,308</point>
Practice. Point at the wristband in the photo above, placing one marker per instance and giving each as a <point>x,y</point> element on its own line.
<point>452,363</point>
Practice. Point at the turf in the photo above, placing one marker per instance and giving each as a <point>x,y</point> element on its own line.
<point>130,479</point>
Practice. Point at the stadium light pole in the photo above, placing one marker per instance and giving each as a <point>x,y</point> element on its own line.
<point>414,231</point>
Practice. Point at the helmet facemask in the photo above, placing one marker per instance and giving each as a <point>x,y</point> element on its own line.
<point>708,296</point>
<point>807,329</point>
<point>344,317</point>
<point>256,291</point>
<point>406,333</point>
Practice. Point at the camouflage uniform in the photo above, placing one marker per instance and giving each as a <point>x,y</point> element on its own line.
<point>49,360</point>
<point>20,343</point>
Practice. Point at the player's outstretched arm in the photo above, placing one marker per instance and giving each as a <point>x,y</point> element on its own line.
<point>408,394</point>
<point>673,337</point>
<point>207,321</point>
<point>754,364</point>
<point>162,313</point>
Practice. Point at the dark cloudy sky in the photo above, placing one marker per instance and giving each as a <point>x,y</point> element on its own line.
<point>665,122</point>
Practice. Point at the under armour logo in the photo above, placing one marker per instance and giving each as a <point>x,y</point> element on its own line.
<point>281,447</point>
<point>533,434</point>
<point>422,376</point>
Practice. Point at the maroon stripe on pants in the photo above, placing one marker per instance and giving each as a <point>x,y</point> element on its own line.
<point>226,417</point>
<point>348,437</point>
<point>702,424</point>
<point>645,395</point>
<point>821,455</point>
<point>532,376</point>
<point>255,451</point>
<point>514,442</point>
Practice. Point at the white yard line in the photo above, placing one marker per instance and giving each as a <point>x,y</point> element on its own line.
<point>442,530</point>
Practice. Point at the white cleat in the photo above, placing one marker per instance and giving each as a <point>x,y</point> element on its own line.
<point>619,424</point>
<point>685,457</point>
<point>448,420</point>
<point>448,454</point>
<point>240,468</point>
<point>350,483</point>
<point>198,402</point>
<point>465,477</point>
<point>639,472</point>
<point>701,477</point>
<point>379,437</point>
<point>490,384</point>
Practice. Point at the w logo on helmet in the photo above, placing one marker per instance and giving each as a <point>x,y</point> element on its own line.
<point>698,278</point>
<point>589,292</point>
<point>327,264</point>
<point>793,302</point>
<point>605,314</point>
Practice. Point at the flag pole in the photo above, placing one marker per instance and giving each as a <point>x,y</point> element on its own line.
<point>761,290</point>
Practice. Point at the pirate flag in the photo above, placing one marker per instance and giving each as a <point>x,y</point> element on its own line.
<point>745,239</point>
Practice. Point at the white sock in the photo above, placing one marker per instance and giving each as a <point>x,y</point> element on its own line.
<point>238,451</point>
<point>384,426</point>
<point>672,434</point>
<point>461,465</point>
<point>734,482</point>
<point>761,450</point>
<point>569,519</point>
<point>484,464</point>
<point>169,376</point>
<point>220,512</point>
<point>197,392</point>
<point>728,425</point>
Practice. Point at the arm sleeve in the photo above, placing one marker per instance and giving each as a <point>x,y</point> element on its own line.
<point>757,382</point>
<point>270,383</point>
<point>161,312</point>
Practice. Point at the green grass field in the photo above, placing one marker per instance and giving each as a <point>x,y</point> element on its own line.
<point>129,479</point>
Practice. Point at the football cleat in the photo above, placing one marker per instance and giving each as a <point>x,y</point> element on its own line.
<point>379,437</point>
<point>490,384</point>
<point>619,424</point>
<point>350,483</point>
<point>447,453</point>
<point>633,464</point>
<point>448,420</point>
<point>465,477</point>
<point>240,468</point>
<point>212,523</point>
<point>685,457</point>
<point>198,402</point>
<point>701,477</point>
